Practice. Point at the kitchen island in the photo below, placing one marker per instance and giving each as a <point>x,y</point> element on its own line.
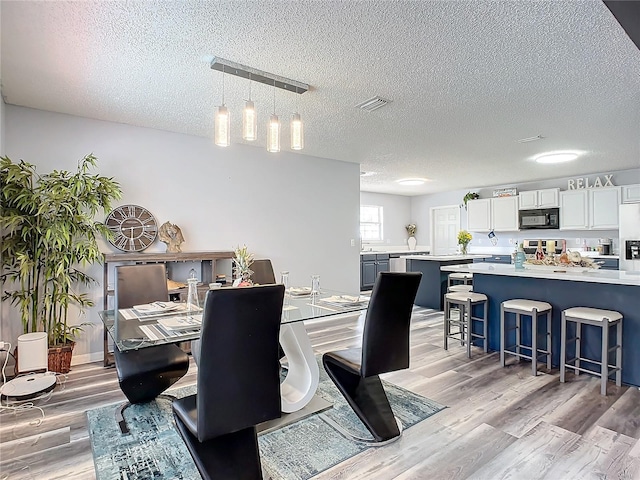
<point>564,288</point>
<point>433,285</point>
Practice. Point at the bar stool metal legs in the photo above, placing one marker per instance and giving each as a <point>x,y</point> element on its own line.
<point>465,301</point>
<point>533,309</point>
<point>604,319</point>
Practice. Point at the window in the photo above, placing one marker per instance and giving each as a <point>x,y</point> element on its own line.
<point>371,223</point>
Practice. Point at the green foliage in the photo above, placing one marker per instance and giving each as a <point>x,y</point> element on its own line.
<point>242,263</point>
<point>48,232</point>
<point>469,196</point>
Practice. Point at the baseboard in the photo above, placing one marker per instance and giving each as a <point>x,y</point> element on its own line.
<point>87,358</point>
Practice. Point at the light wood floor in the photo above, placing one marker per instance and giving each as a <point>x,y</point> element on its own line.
<point>500,422</point>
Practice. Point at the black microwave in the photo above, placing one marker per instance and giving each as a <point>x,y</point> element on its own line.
<point>545,218</point>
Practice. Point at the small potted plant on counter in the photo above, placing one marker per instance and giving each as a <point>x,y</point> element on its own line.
<point>411,230</point>
<point>464,238</point>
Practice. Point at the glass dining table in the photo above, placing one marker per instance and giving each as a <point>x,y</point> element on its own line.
<point>132,329</point>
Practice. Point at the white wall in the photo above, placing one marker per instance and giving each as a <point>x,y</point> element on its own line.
<point>302,212</point>
<point>396,215</point>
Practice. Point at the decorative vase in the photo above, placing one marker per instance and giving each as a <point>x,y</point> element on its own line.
<point>463,248</point>
<point>412,243</point>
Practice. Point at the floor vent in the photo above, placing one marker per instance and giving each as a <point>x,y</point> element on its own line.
<point>373,104</point>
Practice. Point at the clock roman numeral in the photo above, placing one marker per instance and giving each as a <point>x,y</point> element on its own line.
<point>132,210</point>
<point>114,228</point>
<point>148,235</point>
<point>121,242</point>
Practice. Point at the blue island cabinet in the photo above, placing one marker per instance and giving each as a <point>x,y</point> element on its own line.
<point>433,285</point>
<point>563,294</point>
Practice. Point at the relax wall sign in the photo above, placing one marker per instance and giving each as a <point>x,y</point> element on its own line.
<point>578,183</point>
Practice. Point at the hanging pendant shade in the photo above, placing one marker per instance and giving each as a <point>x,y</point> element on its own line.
<point>249,122</point>
<point>297,132</point>
<point>273,134</point>
<point>222,123</point>
<point>222,134</point>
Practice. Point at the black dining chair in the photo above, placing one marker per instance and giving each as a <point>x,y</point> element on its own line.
<point>262,272</point>
<point>238,382</point>
<point>144,373</point>
<point>262,275</point>
<point>385,348</point>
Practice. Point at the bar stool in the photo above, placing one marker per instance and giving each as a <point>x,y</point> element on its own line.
<point>604,319</point>
<point>460,288</point>
<point>465,301</point>
<point>529,308</point>
<point>460,278</point>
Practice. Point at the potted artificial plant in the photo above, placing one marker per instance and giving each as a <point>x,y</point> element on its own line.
<point>469,196</point>
<point>48,233</point>
<point>242,267</point>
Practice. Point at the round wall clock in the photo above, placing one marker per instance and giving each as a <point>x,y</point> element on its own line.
<point>133,228</point>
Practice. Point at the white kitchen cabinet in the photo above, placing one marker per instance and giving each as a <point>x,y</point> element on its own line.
<point>547,198</point>
<point>479,215</point>
<point>604,204</point>
<point>486,214</point>
<point>631,193</point>
<point>593,209</point>
<point>574,210</point>
<point>504,214</point>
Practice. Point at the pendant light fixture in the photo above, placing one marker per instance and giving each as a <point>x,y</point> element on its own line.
<point>249,115</point>
<point>297,132</point>
<point>249,119</point>
<point>273,128</point>
<point>222,127</point>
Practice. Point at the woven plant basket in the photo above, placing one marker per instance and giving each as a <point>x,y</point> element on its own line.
<point>60,358</point>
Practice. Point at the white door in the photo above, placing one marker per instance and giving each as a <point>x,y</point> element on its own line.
<point>445,225</point>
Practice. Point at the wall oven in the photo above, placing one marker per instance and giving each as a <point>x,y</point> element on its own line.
<point>547,218</point>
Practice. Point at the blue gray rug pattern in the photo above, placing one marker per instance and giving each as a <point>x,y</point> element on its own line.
<point>155,450</point>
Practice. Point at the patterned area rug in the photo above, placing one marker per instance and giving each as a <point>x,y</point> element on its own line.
<point>155,450</point>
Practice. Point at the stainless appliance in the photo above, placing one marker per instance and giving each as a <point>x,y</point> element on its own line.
<point>630,237</point>
<point>530,246</point>
<point>605,245</point>
<point>548,218</point>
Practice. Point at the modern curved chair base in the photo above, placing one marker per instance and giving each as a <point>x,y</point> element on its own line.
<point>122,423</point>
<point>365,395</point>
<point>364,441</point>
<point>232,456</point>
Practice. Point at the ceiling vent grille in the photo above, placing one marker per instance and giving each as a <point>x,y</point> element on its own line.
<point>373,104</point>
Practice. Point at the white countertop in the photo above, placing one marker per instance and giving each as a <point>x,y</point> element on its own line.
<point>443,258</point>
<point>405,251</point>
<point>595,276</point>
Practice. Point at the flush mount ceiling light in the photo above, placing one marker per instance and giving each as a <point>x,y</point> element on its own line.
<point>409,182</point>
<point>556,157</point>
<point>249,130</point>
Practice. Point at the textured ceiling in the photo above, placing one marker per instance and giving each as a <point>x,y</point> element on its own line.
<point>466,79</point>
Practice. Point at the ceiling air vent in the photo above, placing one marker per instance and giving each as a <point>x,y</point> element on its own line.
<point>373,104</point>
